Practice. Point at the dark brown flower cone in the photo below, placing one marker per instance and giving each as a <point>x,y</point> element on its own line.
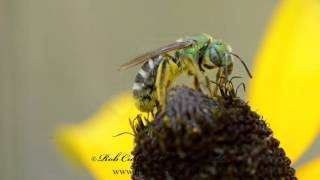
<point>196,138</point>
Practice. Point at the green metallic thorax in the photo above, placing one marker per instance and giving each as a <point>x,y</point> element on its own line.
<point>189,57</point>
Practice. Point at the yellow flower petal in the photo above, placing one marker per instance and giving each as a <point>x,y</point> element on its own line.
<point>87,141</point>
<point>285,88</point>
<point>309,171</point>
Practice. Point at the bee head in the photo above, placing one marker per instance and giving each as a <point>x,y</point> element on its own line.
<point>218,54</point>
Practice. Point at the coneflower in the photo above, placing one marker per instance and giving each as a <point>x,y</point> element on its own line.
<point>197,137</point>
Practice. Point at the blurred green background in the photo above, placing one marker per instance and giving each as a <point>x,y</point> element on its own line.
<point>59,61</point>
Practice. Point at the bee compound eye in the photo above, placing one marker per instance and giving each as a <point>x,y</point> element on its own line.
<point>214,57</point>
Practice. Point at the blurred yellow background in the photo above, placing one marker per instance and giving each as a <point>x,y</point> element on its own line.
<point>59,60</point>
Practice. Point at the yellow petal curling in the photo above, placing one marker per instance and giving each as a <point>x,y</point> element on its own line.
<point>309,171</point>
<point>285,88</point>
<point>87,141</point>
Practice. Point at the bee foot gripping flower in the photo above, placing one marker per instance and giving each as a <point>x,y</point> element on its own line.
<point>197,137</point>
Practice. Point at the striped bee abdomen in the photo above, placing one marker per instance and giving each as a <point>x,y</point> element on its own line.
<point>144,87</point>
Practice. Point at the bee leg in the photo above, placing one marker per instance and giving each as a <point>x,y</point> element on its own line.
<point>198,78</point>
<point>208,86</point>
<point>226,73</point>
<point>219,79</point>
<point>166,73</point>
<point>196,83</point>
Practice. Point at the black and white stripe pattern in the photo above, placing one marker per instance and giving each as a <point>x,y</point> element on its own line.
<point>147,74</point>
<point>144,87</point>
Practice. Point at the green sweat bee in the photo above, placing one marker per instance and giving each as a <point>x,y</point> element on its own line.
<point>193,54</point>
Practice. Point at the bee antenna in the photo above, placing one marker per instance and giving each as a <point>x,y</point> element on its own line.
<point>243,63</point>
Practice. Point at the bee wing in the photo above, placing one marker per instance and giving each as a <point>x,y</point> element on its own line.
<point>145,57</point>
